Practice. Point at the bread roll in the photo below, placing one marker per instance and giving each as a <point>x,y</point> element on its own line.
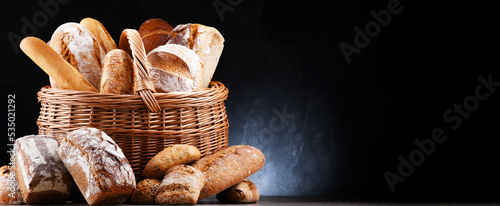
<point>172,155</point>
<point>41,175</point>
<point>98,166</point>
<point>9,188</point>
<point>181,185</point>
<point>155,32</point>
<point>205,41</point>
<point>76,44</point>
<point>243,192</point>
<point>100,33</point>
<point>117,73</point>
<point>64,74</point>
<point>175,68</point>
<point>146,191</point>
<point>228,167</point>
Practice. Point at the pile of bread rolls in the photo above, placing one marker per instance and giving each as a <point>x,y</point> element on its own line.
<point>180,59</point>
<point>45,171</point>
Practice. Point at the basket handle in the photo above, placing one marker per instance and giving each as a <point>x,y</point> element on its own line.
<point>131,42</point>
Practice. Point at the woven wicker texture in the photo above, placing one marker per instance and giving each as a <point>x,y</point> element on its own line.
<point>197,118</point>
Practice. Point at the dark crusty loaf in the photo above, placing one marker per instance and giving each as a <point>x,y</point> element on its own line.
<point>41,175</point>
<point>9,189</point>
<point>228,167</point>
<point>181,185</point>
<point>98,166</point>
<point>145,192</point>
<point>172,155</point>
<point>243,192</point>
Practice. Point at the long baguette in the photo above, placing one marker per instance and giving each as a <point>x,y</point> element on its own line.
<point>227,167</point>
<point>65,75</point>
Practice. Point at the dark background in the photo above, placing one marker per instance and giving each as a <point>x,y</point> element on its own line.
<point>327,127</point>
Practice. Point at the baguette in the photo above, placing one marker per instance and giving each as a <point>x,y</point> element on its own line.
<point>228,167</point>
<point>65,75</point>
<point>100,33</point>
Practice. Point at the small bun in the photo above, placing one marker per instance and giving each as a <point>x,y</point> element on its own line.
<point>145,192</point>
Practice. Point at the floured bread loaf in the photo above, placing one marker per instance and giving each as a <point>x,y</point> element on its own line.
<point>175,68</point>
<point>41,174</point>
<point>76,44</point>
<point>98,166</point>
<point>205,41</point>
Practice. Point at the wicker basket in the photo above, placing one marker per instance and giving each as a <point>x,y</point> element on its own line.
<point>197,118</point>
<point>142,124</point>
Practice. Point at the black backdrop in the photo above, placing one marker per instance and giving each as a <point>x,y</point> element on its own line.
<point>327,126</point>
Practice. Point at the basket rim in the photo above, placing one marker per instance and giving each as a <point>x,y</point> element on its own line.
<point>216,92</point>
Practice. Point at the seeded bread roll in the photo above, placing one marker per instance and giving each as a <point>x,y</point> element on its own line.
<point>117,73</point>
<point>76,44</point>
<point>146,191</point>
<point>243,192</point>
<point>181,185</point>
<point>98,166</point>
<point>227,167</point>
<point>172,155</point>
<point>9,188</point>
<point>41,175</point>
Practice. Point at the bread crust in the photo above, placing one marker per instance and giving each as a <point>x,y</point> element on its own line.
<point>181,185</point>
<point>146,191</point>
<point>205,41</point>
<point>100,33</point>
<point>117,73</point>
<point>155,32</point>
<point>175,68</point>
<point>172,155</point>
<point>64,74</point>
<point>76,44</point>
<point>42,176</point>
<point>228,167</point>
<point>243,192</point>
<point>98,166</point>
<point>9,188</point>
